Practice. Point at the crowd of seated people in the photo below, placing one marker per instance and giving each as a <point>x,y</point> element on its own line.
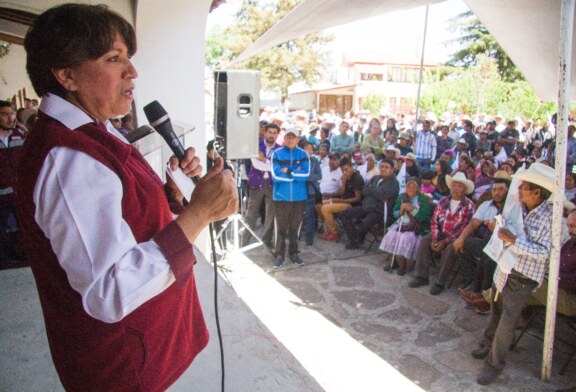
<point>435,187</point>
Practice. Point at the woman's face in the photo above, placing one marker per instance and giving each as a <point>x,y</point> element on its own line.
<point>411,189</point>
<point>390,124</point>
<point>437,168</point>
<point>463,164</point>
<point>485,169</point>
<point>102,87</point>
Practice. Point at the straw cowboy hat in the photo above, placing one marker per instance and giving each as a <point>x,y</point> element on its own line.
<point>396,150</point>
<point>543,175</point>
<point>461,178</point>
<point>538,174</point>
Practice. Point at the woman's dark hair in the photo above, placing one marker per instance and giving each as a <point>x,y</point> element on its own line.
<point>444,166</point>
<point>66,36</point>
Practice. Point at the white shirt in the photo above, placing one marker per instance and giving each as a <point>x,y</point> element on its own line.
<point>331,180</point>
<point>78,207</point>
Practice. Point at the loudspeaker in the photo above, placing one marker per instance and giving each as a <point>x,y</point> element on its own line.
<point>237,111</point>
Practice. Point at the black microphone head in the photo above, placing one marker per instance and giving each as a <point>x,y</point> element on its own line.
<point>154,112</point>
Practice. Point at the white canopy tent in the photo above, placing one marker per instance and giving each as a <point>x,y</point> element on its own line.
<point>528,30</point>
<point>536,34</point>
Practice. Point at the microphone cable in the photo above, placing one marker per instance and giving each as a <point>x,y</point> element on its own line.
<point>216,314</point>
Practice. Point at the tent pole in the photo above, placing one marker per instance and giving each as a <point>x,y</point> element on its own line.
<point>565,67</point>
<point>421,68</point>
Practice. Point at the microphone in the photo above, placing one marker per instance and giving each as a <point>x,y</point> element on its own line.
<point>139,133</point>
<point>159,120</point>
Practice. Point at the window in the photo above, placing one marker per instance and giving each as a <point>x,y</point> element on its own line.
<point>403,75</point>
<point>372,77</point>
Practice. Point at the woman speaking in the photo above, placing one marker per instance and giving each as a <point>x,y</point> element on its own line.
<point>114,272</point>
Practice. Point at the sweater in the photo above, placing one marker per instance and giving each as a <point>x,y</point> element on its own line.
<point>154,344</point>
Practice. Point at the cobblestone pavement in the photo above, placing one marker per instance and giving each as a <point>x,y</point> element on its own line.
<point>427,338</point>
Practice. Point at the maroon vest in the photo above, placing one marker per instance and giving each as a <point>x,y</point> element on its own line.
<point>151,347</point>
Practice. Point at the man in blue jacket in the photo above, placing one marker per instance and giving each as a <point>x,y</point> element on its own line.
<point>290,171</point>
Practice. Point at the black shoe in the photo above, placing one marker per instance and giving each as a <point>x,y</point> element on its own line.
<point>389,267</point>
<point>401,271</point>
<point>296,260</point>
<point>488,374</point>
<point>418,282</point>
<point>353,245</point>
<point>436,289</point>
<point>279,261</point>
<point>481,353</point>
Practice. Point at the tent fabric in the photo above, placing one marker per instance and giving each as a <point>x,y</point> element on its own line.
<point>528,30</point>
<point>312,16</point>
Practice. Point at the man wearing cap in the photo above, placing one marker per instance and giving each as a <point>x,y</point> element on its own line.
<point>450,218</point>
<point>342,142</point>
<point>531,251</point>
<point>290,171</point>
<point>425,145</point>
<point>403,144</point>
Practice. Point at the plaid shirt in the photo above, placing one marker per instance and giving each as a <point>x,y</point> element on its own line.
<point>448,225</point>
<point>425,145</point>
<point>533,249</point>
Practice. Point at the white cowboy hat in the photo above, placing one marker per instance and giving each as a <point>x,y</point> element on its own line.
<point>538,174</point>
<point>396,150</point>
<point>461,178</point>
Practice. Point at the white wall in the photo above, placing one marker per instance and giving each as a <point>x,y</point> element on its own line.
<point>170,64</point>
<point>170,60</point>
<point>13,76</point>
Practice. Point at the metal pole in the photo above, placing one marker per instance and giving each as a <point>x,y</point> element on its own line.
<point>421,68</point>
<point>565,66</point>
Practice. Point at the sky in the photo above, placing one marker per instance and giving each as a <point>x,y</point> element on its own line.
<point>405,26</point>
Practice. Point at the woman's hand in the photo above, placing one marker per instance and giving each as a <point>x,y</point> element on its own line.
<point>214,198</point>
<point>190,164</point>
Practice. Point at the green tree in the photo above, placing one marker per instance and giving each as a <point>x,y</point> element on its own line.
<point>374,102</point>
<point>480,89</point>
<point>215,47</point>
<point>300,59</point>
<point>475,39</point>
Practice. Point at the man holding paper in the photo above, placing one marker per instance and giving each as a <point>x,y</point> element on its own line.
<point>531,251</point>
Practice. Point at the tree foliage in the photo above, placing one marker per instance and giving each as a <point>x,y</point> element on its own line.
<point>374,102</point>
<point>475,40</point>
<point>301,59</point>
<point>481,89</point>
